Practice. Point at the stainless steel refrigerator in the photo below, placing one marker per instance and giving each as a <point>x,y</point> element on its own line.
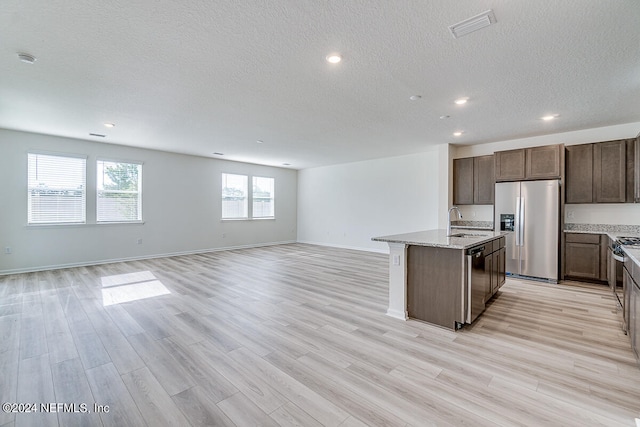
<point>529,211</point>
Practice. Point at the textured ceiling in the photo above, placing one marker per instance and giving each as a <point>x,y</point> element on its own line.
<point>203,76</point>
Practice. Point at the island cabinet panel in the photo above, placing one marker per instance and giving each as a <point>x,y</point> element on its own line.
<point>543,162</point>
<point>579,174</point>
<point>484,181</point>
<point>586,256</point>
<point>434,285</point>
<point>610,171</point>
<point>463,181</point>
<point>510,165</point>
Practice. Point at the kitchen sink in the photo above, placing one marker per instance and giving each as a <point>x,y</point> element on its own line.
<point>467,235</point>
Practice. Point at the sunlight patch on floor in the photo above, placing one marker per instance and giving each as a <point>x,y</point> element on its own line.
<point>128,287</point>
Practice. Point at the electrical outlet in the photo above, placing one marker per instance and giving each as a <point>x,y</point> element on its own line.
<point>570,214</point>
<point>8,250</point>
<point>224,235</point>
<point>139,241</point>
<point>396,260</point>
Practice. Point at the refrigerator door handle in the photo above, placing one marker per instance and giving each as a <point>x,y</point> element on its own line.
<point>522,219</point>
<point>516,221</point>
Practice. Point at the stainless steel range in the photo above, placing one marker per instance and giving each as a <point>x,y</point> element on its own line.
<point>615,271</point>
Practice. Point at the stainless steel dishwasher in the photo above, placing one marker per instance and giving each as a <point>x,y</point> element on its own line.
<point>477,278</point>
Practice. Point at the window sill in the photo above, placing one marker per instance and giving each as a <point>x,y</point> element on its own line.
<point>120,223</point>
<point>247,219</point>
<point>80,224</point>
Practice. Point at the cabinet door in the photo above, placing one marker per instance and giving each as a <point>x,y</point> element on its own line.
<point>630,177</point>
<point>490,281</point>
<point>609,171</point>
<point>579,174</point>
<point>463,181</point>
<point>502,271</point>
<point>634,320</point>
<point>543,162</point>
<point>627,286</point>
<point>636,169</point>
<point>484,181</point>
<point>510,165</point>
<point>604,252</point>
<point>582,260</point>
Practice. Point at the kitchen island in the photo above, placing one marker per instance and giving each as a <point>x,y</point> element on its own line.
<point>434,278</point>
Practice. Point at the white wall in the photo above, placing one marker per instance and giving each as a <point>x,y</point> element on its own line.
<point>181,208</point>
<point>580,214</point>
<point>346,205</point>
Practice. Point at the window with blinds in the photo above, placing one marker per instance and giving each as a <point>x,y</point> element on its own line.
<point>119,191</point>
<point>56,187</point>
<point>235,201</point>
<point>263,197</point>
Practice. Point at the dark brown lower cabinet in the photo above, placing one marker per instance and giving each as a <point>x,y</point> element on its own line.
<point>586,256</point>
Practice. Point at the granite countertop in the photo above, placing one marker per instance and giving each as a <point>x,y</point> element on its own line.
<point>611,230</point>
<point>439,239</point>
<point>633,253</point>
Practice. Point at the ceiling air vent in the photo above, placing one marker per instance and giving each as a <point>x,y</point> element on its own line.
<point>472,24</point>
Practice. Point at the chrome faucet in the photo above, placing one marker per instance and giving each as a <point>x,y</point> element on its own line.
<point>449,218</point>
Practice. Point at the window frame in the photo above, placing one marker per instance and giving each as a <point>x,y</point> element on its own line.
<point>30,187</point>
<point>272,198</point>
<point>98,190</point>
<point>248,198</point>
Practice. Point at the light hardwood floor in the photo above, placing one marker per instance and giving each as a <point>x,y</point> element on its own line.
<point>296,335</point>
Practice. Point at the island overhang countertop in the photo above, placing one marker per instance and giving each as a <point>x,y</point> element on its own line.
<point>460,239</point>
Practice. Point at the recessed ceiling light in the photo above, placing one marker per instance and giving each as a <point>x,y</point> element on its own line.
<point>218,154</point>
<point>415,97</point>
<point>259,141</point>
<point>110,125</point>
<point>334,58</point>
<point>99,135</point>
<point>26,58</point>
<point>458,133</point>
<point>286,164</point>
<point>550,117</point>
<point>461,101</point>
<point>444,117</point>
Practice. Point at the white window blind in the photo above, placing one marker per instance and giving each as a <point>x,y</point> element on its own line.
<point>263,197</point>
<point>56,188</point>
<point>235,203</point>
<point>119,191</point>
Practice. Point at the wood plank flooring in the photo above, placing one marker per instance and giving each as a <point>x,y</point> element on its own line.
<point>296,335</point>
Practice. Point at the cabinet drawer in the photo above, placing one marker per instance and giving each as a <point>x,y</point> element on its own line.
<point>583,238</point>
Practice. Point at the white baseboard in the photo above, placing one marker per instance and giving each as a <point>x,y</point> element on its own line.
<point>138,258</point>
<point>396,314</point>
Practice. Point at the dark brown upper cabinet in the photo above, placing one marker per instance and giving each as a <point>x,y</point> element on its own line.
<point>579,174</point>
<point>510,165</point>
<point>473,181</point>
<point>633,169</point>
<point>543,162</point>
<point>603,172</point>
<point>484,181</point>
<point>463,181</point>
<point>610,171</point>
